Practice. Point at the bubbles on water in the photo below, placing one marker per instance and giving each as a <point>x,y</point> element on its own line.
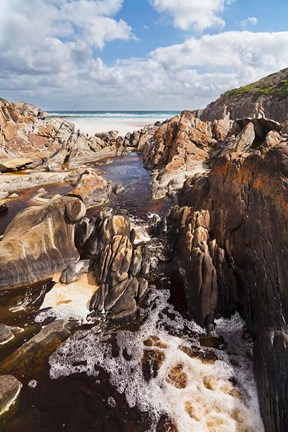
<point>111,402</point>
<point>32,384</point>
<point>169,367</point>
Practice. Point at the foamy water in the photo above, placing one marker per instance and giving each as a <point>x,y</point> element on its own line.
<point>164,370</point>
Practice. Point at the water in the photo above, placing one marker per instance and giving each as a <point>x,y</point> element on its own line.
<point>160,115</point>
<point>161,373</point>
<point>103,121</point>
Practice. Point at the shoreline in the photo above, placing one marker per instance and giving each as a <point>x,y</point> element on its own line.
<point>123,126</point>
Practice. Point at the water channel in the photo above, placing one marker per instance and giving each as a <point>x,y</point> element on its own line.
<point>160,373</point>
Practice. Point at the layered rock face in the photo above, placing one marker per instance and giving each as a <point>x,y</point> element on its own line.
<point>264,98</point>
<point>120,266</point>
<point>174,150</point>
<point>39,242</point>
<point>232,249</point>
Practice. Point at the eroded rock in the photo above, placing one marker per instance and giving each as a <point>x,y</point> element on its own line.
<point>39,242</point>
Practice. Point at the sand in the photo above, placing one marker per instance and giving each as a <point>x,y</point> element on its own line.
<point>94,124</point>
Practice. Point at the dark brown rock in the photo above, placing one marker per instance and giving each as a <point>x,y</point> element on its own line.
<point>246,195</point>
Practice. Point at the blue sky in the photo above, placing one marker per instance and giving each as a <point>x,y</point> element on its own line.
<point>137,54</point>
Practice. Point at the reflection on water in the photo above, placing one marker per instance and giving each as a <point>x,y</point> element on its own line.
<point>129,171</point>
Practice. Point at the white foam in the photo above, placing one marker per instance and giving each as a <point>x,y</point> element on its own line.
<point>196,394</point>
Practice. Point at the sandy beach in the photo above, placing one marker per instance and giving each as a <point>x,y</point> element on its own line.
<point>94,124</point>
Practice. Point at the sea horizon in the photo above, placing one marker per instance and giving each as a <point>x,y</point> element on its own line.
<point>92,121</point>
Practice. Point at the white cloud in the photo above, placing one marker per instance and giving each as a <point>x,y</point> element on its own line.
<point>250,20</point>
<point>193,14</point>
<point>31,22</point>
<point>47,57</point>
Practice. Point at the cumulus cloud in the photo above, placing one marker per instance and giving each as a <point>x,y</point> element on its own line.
<point>48,57</point>
<point>193,14</point>
<point>250,20</point>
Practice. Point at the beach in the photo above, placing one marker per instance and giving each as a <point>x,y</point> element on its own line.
<point>123,122</point>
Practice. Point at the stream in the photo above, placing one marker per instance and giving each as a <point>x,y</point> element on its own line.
<point>160,373</point>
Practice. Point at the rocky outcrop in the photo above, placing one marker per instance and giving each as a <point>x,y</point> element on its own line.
<point>39,242</point>
<point>91,188</point>
<point>244,198</point>
<point>120,266</point>
<point>264,98</point>
<point>29,138</point>
<point>174,150</point>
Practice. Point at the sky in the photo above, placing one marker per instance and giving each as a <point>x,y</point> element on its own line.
<point>137,54</point>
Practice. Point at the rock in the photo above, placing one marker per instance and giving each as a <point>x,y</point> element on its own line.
<point>196,254</point>
<point>270,367</point>
<point>117,265</point>
<point>92,188</point>
<point>40,242</point>
<point>266,98</point>
<point>19,182</point>
<point>4,194</point>
<point>9,390</point>
<point>246,196</point>
<point>177,148</point>
<point>74,271</point>
<point>14,164</point>
<point>6,334</point>
<point>118,189</point>
<point>13,196</point>
<point>29,357</point>
<point>3,207</point>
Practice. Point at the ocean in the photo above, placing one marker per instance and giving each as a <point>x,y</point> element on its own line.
<point>103,121</point>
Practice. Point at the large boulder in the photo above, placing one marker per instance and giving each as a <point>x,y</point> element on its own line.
<point>39,242</point>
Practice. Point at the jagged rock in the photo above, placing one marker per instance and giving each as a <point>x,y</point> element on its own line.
<point>246,194</point>
<point>9,390</point>
<point>74,270</point>
<point>39,242</point>
<point>92,188</point>
<point>176,149</point>
<point>196,252</point>
<point>118,264</point>
<point>265,98</point>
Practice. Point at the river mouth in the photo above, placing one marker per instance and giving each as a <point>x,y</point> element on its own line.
<point>128,377</point>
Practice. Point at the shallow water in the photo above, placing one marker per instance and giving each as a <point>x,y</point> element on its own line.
<point>161,373</point>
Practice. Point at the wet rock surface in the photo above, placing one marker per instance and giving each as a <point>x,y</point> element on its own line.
<point>39,242</point>
<point>9,390</point>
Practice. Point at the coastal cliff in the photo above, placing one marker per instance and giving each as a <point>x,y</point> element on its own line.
<point>267,97</point>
